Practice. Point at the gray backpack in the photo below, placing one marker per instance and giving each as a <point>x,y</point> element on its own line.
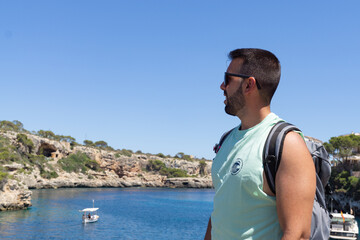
<point>320,222</point>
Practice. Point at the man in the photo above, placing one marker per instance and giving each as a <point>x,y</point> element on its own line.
<point>244,206</point>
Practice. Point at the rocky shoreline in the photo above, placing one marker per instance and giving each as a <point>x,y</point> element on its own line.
<point>14,196</point>
<point>116,171</point>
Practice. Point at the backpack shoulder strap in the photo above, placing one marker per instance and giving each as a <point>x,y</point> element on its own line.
<point>222,139</point>
<point>273,150</point>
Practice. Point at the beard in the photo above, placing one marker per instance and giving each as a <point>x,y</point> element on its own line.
<point>235,103</point>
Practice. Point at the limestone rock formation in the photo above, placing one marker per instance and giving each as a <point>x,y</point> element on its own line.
<point>14,195</point>
<point>116,170</point>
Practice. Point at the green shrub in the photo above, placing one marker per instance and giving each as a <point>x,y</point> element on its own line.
<point>353,181</point>
<point>92,164</point>
<point>155,165</point>
<point>68,139</point>
<point>22,138</point>
<point>41,162</point>
<point>25,171</point>
<point>173,172</point>
<point>159,166</point>
<point>48,175</point>
<point>89,143</point>
<point>202,166</point>
<point>4,154</point>
<point>181,155</point>
<point>3,142</point>
<point>7,154</point>
<point>7,125</point>
<point>160,155</point>
<point>47,134</point>
<point>101,144</point>
<point>109,148</point>
<point>38,160</point>
<point>341,190</point>
<point>78,162</point>
<point>3,175</point>
<point>188,158</point>
<point>126,152</point>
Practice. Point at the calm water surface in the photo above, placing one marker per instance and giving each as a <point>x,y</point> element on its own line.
<point>134,213</point>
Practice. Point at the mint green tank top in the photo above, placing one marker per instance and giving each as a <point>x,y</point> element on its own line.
<point>241,208</point>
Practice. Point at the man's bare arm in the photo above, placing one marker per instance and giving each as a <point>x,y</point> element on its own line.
<point>295,188</point>
<point>208,231</point>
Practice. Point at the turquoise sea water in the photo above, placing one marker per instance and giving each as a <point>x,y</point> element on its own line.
<point>130,213</point>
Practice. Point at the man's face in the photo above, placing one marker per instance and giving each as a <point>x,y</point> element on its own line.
<point>235,100</point>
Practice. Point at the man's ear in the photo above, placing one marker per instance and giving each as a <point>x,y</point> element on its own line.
<point>250,84</point>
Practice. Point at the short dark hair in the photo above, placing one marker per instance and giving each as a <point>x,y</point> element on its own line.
<point>263,65</point>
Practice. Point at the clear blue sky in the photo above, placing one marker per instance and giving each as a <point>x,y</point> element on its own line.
<point>145,75</point>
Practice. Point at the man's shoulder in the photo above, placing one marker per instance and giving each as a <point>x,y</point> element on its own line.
<point>295,148</point>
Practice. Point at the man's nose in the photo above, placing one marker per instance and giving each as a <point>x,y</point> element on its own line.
<point>222,86</point>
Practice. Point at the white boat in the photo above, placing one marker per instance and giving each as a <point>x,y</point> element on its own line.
<point>89,214</point>
<point>343,226</point>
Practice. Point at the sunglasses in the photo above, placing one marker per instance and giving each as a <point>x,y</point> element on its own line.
<point>227,80</point>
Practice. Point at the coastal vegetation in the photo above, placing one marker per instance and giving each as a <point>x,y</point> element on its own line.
<point>78,162</point>
<point>125,152</point>
<point>342,181</point>
<point>344,154</point>
<point>3,175</point>
<point>159,166</point>
<point>25,157</point>
<point>23,139</point>
<point>12,126</point>
<point>11,154</point>
<point>43,159</point>
<point>50,135</point>
<point>182,155</point>
<point>17,126</point>
<point>202,165</point>
<point>342,148</point>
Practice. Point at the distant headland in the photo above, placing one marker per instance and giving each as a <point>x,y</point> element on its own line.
<point>42,159</point>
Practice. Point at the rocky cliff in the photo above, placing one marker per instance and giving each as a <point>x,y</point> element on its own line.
<point>14,195</point>
<point>114,170</point>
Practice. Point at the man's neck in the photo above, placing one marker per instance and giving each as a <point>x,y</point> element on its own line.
<point>252,118</point>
